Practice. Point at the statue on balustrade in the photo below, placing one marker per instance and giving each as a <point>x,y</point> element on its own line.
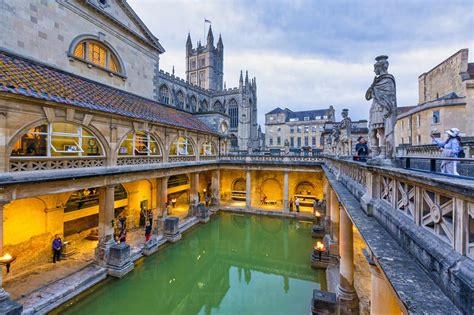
<point>345,134</point>
<point>335,137</point>
<point>383,112</point>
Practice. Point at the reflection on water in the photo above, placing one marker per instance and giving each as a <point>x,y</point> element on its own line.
<point>236,264</point>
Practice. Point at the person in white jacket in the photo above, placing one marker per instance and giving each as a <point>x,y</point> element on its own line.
<point>451,148</point>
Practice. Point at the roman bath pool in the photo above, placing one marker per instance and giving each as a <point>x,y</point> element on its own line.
<point>235,264</point>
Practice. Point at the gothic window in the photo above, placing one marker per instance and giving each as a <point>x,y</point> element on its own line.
<point>139,144</point>
<point>180,99</point>
<point>57,139</point>
<point>234,114</point>
<point>193,103</point>
<point>218,107</point>
<point>164,94</point>
<point>97,54</point>
<point>182,146</point>
<point>208,148</point>
<point>204,106</point>
<point>234,142</point>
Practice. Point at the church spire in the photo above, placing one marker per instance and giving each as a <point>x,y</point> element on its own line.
<point>241,80</point>
<point>220,45</point>
<point>210,37</point>
<point>246,78</point>
<point>189,45</point>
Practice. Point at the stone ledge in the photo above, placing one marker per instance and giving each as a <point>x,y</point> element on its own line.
<point>415,289</point>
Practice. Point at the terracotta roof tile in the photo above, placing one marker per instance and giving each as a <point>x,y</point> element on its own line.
<point>25,77</point>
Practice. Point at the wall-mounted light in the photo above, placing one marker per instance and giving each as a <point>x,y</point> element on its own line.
<point>6,260</point>
<point>320,248</point>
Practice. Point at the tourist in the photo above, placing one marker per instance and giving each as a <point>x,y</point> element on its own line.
<point>291,204</point>
<point>452,148</point>
<point>315,206</point>
<point>297,204</point>
<point>57,246</point>
<point>207,200</point>
<point>147,231</point>
<point>264,199</point>
<point>362,150</point>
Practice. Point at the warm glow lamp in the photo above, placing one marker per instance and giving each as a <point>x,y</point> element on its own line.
<point>6,260</point>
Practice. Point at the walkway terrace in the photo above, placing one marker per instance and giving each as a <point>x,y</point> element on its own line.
<point>402,239</point>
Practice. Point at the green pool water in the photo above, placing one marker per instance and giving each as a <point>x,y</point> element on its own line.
<point>235,264</point>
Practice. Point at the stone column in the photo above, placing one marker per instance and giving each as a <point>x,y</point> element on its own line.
<point>194,188</point>
<point>248,196</point>
<point>7,306</point>
<point>216,187</point>
<point>285,191</point>
<point>346,294</point>
<point>162,197</point>
<point>334,214</point>
<point>106,217</point>
<point>382,299</point>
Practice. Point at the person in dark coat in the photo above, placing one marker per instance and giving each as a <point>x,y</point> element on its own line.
<point>361,148</point>
<point>57,246</point>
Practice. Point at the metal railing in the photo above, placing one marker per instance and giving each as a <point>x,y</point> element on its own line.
<point>462,167</point>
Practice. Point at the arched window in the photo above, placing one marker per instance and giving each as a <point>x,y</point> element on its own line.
<point>164,94</point>
<point>98,54</point>
<point>182,146</point>
<point>57,139</point>
<point>180,99</point>
<point>204,106</point>
<point>234,114</point>
<point>218,107</point>
<point>139,144</point>
<point>208,148</point>
<point>193,103</point>
<point>234,142</point>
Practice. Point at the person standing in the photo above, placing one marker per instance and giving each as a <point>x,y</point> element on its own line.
<point>362,150</point>
<point>291,204</point>
<point>57,246</point>
<point>315,206</point>
<point>147,231</point>
<point>207,201</point>
<point>451,148</point>
<point>297,204</point>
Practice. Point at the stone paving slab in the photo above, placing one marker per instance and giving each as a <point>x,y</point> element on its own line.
<point>418,292</point>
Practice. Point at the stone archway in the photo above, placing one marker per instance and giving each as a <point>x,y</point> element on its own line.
<point>271,189</point>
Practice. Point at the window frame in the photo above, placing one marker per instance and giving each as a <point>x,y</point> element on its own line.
<point>149,139</point>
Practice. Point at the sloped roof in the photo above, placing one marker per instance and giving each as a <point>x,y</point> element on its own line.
<point>32,79</point>
<point>312,114</point>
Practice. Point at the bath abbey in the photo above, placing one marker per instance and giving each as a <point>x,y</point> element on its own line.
<point>125,189</point>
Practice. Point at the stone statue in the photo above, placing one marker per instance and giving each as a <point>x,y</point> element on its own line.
<point>287,146</point>
<point>345,133</point>
<point>383,112</point>
<point>335,137</point>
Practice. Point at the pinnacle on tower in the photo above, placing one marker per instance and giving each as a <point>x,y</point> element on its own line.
<point>241,80</point>
<point>189,45</point>
<point>220,45</point>
<point>246,77</point>
<point>210,37</point>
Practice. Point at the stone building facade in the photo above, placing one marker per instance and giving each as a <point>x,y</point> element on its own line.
<point>287,128</point>
<point>446,100</point>
<point>204,91</point>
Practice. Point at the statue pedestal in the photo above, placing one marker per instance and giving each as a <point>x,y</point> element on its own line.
<point>171,232</point>
<point>318,231</point>
<point>324,260</point>
<point>203,213</point>
<point>119,262</point>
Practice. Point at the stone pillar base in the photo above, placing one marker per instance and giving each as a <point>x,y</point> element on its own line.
<point>7,306</point>
<point>119,262</point>
<point>348,301</point>
<point>318,231</point>
<point>323,303</point>
<point>202,213</point>
<point>173,238</point>
<point>152,245</point>
<point>102,251</point>
<point>323,261</point>
<point>331,245</point>
<point>172,232</point>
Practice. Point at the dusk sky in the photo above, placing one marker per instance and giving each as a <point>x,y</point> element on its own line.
<point>312,54</point>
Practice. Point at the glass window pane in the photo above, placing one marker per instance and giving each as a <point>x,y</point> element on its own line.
<point>65,128</point>
<point>154,149</point>
<point>126,148</point>
<point>79,51</point>
<point>91,147</point>
<point>42,129</point>
<point>31,145</point>
<point>65,146</point>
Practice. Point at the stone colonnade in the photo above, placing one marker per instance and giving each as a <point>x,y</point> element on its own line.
<point>341,243</point>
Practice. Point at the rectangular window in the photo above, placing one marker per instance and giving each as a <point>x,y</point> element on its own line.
<point>299,141</point>
<point>436,117</point>
<point>314,141</point>
<point>292,130</point>
<point>293,119</point>
<point>298,129</point>
<point>313,129</point>
<point>292,142</point>
<point>418,139</point>
<point>306,129</point>
<point>270,141</point>
<point>306,118</point>
<point>418,123</point>
<point>306,142</point>
<point>278,141</point>
<point>401,126</point>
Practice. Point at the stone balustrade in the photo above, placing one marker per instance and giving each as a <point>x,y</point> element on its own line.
<point>50,163</point>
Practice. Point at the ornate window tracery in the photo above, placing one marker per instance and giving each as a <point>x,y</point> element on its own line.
<point>139,144</point>
<point>97,54</point>
<point>182,146</point>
